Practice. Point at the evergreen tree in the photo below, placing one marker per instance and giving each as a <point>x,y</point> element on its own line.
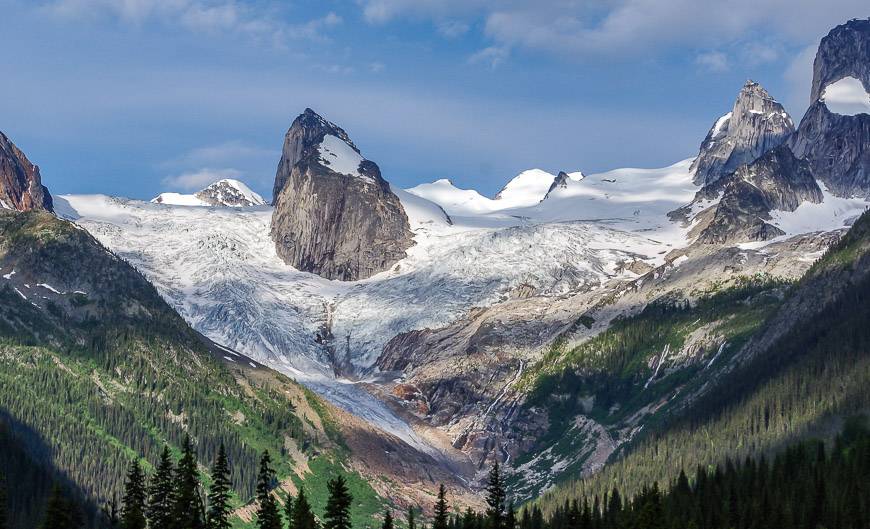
<point>110,513</point>
<point>268,516</point>
<point>411,521</point>
<point>160,493</point>
<point>495,499</point>
<point>187,512</point>
<point>3,516</point>
<point>303,516</point>
<point>441,509</point>
<point>510,521</point>
<point>219,493</point>
<point>388,520</point>
<point>288,511</point>
<point>133,509</point>
<point>337,515</point>
<point>60,512</point>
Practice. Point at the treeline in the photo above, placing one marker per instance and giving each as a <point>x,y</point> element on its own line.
<point>804,487</point>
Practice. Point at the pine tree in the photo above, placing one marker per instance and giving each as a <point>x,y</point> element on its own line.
<point>510,521</point>
<point>411,520</point>
<point>60,512</point>
<point>495,499</point>
<point>303,516</point>
<point>288,511</point>
<point>4,524</point>
<point>441,509</point>
<point>268,516</point>
<point>186,500</point>
<point>388,520</point>
<point>337,515</point>
<point>133,508</point>
<point>219,493</point>
<point>110,513</point>
<point>160,493</point>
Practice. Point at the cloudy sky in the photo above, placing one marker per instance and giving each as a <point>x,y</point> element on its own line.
<point>134,97</point>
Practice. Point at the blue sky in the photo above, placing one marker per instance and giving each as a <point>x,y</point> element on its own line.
<point>134,97</point>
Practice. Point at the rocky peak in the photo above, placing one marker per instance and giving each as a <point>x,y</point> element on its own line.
<point>844,52</point>
<point>334,214</point>
<point>756,124</point>
<point>229,192</point>
<point>837,146</point>
<point>21,186</point>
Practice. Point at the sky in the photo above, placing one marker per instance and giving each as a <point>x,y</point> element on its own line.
<point>136,97</point>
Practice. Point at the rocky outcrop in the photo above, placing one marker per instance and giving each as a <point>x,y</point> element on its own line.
<point>756,124</point>
<point>836,146</point>
<point>844,52</point>
<point>776,181</point>
<point>334,214</point>
<point>21,186</point>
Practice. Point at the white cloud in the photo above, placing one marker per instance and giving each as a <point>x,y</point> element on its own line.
<point>201,16</point>
<point>196,180</point>
<point>452,28</point>
<point>233,152</point>
<point>492,56</point>
<point>377,67</point>
<point>713,61</point>
<point>628,26</point>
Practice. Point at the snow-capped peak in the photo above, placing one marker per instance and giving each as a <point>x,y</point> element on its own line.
<point>526,189</point>
<point>225,192</point>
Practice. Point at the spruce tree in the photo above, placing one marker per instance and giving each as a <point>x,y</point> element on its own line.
<point>4,524</point>
<point>160,492</point>
<point>133,508</point>
<point>303,516</point>
<point>441,509</point>
<point>495,499</point>
<point>337,515</point>
<point>388,520</point>
<point>510,521</point>
<point>219,493</point>
<point>411,520</point>
<point>268,516</point>
<point>111,514</point>
<point>187,512</point>
<point>288,511</point>
<point>60,512</point>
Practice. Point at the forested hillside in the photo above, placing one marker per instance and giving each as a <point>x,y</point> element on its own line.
<point>96,371</point>
<point>804,371</point>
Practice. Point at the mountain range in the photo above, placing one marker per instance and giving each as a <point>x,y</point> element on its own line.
<point>567,328</point>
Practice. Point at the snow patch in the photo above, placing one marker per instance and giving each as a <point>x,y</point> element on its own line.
<point>340,157</point>
<point>9,275</point>
<point>48,287</point>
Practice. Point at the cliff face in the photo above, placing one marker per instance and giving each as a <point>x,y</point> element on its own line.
<point>21,186</point>
<point>837,146</point>
<point>334,214</point>
<point>776,181</point>
<point>756,124</point>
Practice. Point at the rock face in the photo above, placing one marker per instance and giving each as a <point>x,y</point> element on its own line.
<point>229,192</point>
<point>836,146</point>
<point>776,181</point>
<point>334,214</point>
<point>755,125</point>
<point>21,186</point>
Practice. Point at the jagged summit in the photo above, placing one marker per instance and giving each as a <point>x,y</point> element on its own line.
<point>756,124</point>
<point>21,186</point>
<point>225,192</point>
<point>835,144</point>
<point>334,214</point>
